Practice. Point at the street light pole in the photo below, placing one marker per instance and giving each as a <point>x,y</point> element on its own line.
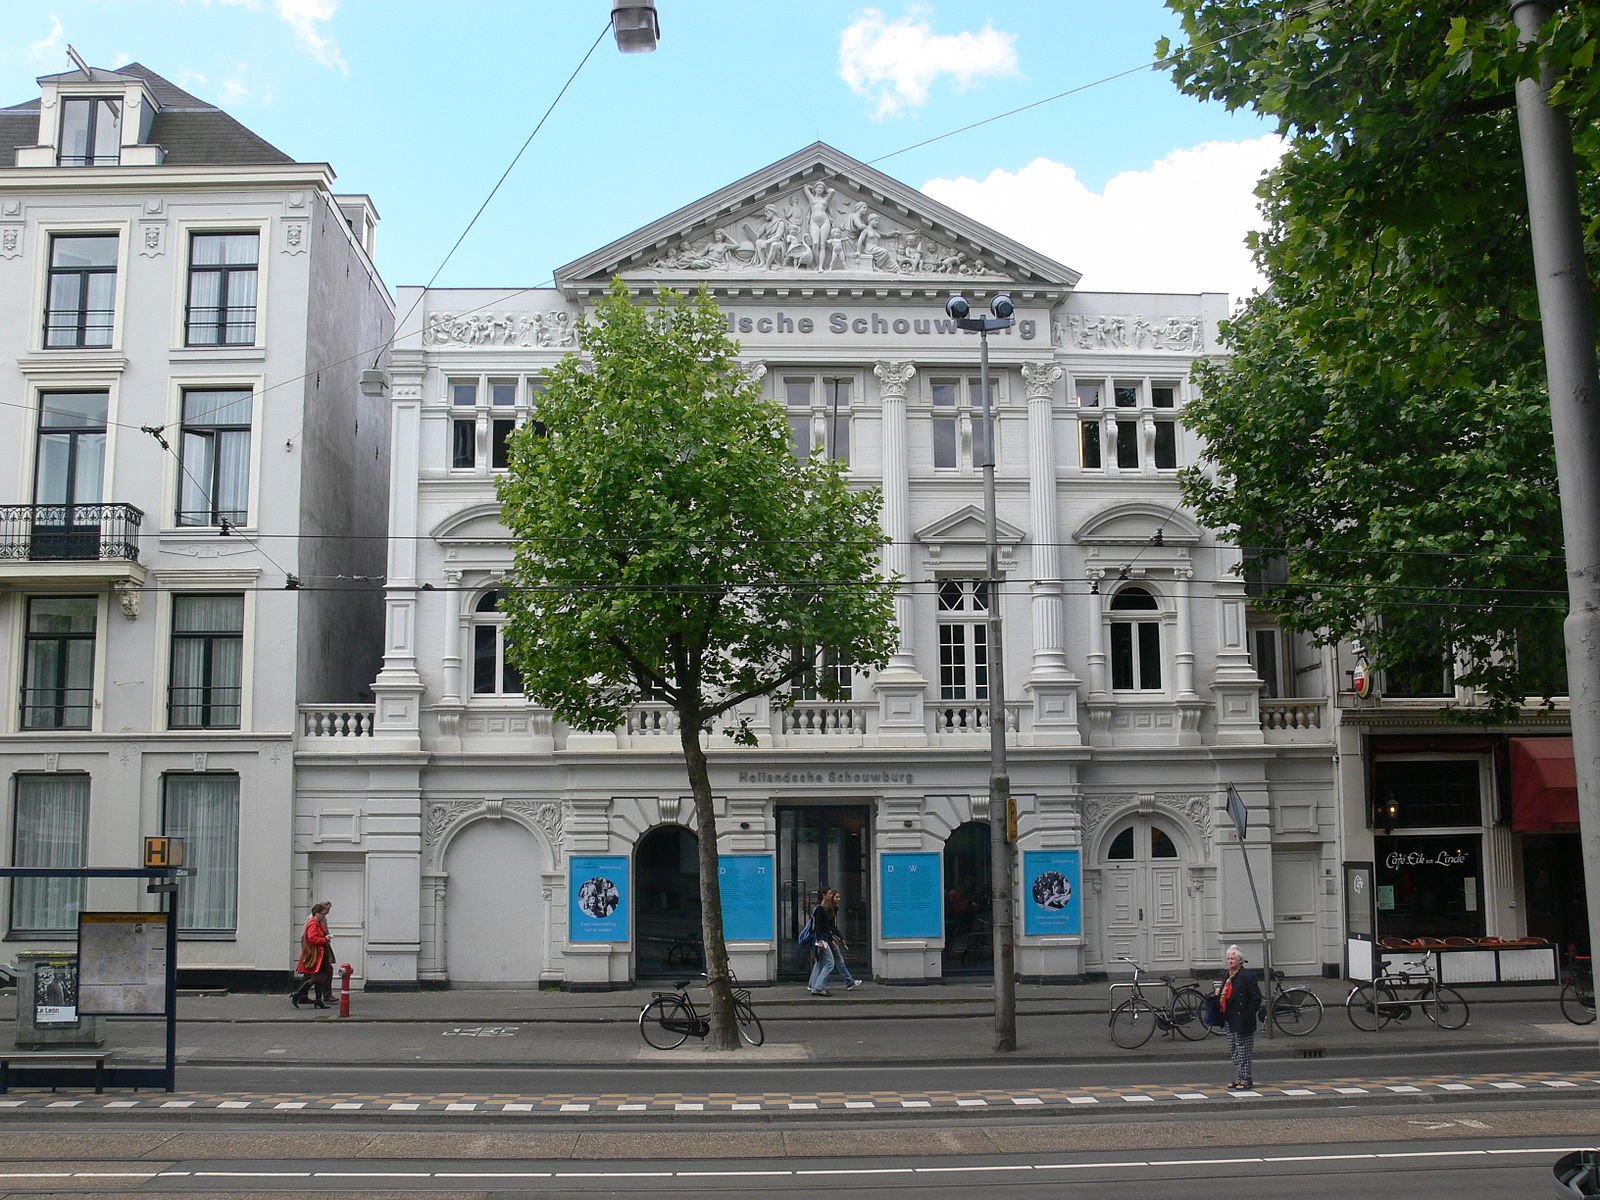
<point>1000,867</point>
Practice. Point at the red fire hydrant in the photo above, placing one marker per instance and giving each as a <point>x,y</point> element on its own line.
<point>345,971</point>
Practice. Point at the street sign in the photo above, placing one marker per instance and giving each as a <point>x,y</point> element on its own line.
<point>1237,810</point>
<point>163,852</point>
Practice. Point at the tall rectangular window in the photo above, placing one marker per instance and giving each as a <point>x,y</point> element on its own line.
<point>207,662</point>
<point>830,674</point>
<point>58,663</point>
<point>81,307</point>
<point>49,828</point>
<point>214,462</point>
<point>69,475</point>
<point>91,132</point>
<point>222,289</point>
<point>463,424</point>
<point>946,422</point>
<point>204,811</point>
<point>819,416</point>
<point>963,639</point>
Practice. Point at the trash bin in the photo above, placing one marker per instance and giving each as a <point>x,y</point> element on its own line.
<point>1578,1174</point>
<point>47,1004</point>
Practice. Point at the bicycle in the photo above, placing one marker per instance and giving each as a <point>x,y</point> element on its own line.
<point>1577,989</point>
<point>1371,1006</point>
<point>1135,1020</point>
<point>1296,1011</point>
<point>669,1019</point>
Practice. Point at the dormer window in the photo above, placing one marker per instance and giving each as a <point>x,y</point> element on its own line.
<point>91,132</point>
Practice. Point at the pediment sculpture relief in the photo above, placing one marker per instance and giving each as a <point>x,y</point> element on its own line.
<point>816,229</point>
<point>501,329</point>
<point>1181,334</point>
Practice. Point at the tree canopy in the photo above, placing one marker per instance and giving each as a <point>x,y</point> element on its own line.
<point>1382,423</point>
<point>671,547</point>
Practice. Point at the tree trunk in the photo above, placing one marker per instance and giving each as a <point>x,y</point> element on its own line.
<point>724,1032</point>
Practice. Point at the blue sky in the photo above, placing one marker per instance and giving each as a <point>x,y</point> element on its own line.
<point>422,106</point>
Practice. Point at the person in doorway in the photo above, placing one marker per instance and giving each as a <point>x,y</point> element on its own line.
<point>315,965</point>
<point>839,944</point>
<point>823,931</point>
<point>1239,997</point>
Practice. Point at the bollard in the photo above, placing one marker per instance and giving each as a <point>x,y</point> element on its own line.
<point>345,971</point>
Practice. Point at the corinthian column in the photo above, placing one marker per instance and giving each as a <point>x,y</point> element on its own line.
<point>901,688</point>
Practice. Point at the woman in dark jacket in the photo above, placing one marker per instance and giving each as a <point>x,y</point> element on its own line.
<point>1240,998</point>
<point>315,964</point>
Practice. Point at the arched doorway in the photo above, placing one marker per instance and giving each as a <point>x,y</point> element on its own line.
<point>1141,910</point>
<point>666,868</point>
<point>968,948</point>
<point>494,916</point>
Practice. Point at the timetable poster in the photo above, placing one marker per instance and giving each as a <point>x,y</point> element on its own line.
<point>913,895</point>
<point>749,897</point>
<point>599,904</point>
<point>1052,882</point>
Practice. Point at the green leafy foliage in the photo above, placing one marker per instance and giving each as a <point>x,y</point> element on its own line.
<point>1383,422</point>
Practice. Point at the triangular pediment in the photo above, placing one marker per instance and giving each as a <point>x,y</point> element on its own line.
<point>966,526</point>
<point>819,221</point>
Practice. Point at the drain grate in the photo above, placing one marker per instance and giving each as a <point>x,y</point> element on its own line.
<point>1310,1051</point>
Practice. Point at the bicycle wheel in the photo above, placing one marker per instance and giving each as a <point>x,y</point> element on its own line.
<point>1296,1011</point>
<point>1365,1009</point>
<point>1577,1003</point>
<point>749,1024</point>
<point>1444,1007</point>
<point>664,1022</point>
<point>1184,1016</point>
<point>1132,1023</point>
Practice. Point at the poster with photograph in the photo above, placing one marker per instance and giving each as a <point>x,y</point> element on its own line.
<point>1052,892</point>
<point>599,903</point>
<point>55,992</point>
<point>913,895</point>
<point>749,897</point>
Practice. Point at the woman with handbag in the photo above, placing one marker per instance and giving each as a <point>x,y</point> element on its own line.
<point>1239,998</point>
<point>315,964</point>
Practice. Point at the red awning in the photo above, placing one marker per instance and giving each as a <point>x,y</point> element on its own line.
<point>1544,785</point>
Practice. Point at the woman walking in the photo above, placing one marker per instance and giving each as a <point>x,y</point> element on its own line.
<point>823,930</point>
<point>315,964</point>
<point>1240,1000</point>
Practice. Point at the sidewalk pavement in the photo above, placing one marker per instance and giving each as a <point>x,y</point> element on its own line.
<point>941,1022</point>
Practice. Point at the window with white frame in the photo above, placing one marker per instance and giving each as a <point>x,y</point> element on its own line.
<point>484,412</point>
<point>1266,656</point>
<point>1131,424</point>
<point>69,475</point>
<point>223,277</point>
<point>80,308</point>
<point>819,415</point>
<point>91,132</point>
<point>49,828</point>
<point>1135,641</point>
<point>963,607</point>
<point>203,810</point>
<point>207,661</point>
<point>214,457</point>
<point>829,678</point>
<point>58,662</point>
<point>492,673</point>
<point>959,433</point>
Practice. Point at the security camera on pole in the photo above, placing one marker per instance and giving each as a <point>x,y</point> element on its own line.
<point>1005,996</point>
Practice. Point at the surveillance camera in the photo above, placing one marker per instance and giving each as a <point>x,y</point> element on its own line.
<point>957,307</point>
<point>1002,307</point>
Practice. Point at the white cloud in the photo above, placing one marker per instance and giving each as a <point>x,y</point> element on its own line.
<point>1176,226</point>
<point>896,62</point>
<point>307,18</point>
<point>49,46</point>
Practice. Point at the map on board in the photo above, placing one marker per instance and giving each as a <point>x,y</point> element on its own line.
<point>122,963</point>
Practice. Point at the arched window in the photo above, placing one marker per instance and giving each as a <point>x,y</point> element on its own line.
<point>492,675</point>
<point>1135,641</point>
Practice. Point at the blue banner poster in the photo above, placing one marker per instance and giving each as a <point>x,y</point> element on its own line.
<point>912,895</point>
<point>599,902</point>
<point>749,897</point>
<point>1052,892</point>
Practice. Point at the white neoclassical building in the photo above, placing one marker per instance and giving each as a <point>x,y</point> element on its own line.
<point>472,832</point>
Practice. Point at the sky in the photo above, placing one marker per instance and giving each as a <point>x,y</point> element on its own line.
<point>423,106</point>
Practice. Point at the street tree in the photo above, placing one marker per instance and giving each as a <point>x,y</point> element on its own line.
<point>670,546</point>
<point>1382,424</point>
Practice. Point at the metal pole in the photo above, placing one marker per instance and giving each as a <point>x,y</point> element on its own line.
<point>172,982</point>
<point>1261,920</point>
<point>1005,996</point>
<point>1567,317</point>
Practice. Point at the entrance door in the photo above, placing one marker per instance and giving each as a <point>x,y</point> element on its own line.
<point>825,846</point>
<point>666,904</point>
<point>1142,909</point>
<point>494,917</point>
<point>1294,912</point>
<point>343,883</point>
<point>968,949</point>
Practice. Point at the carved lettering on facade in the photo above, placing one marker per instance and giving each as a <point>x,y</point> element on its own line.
<point>1177,334</point>
<point>554,329</point>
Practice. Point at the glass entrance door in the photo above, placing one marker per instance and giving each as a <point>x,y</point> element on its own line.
<point>825,846</point>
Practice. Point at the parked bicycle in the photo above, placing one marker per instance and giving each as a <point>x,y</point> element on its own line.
<point>1397,992</point>
<point>1577,989</point>
<point>1136,1019</point>
<point>671,1018</point>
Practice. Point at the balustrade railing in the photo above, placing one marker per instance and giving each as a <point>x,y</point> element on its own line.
<point>652,720</point>
<point>949,718</point>
<point>824,719</point>
<point>318,721</point>
<point>69,532</point>
<point>1292,714</point>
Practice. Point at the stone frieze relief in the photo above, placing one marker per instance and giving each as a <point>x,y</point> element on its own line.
<point>554,329</point>
<point>1182,335</point>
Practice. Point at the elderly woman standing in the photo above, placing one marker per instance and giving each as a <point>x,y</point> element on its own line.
<point>315,964</point>
<point>1240,999</point>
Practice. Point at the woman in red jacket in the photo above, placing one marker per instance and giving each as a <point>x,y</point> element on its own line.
<point>316,958</point>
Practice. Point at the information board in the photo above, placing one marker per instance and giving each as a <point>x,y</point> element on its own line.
<point>913,895</point>
<point>599,902</point>
<point>749,897</point>
<point>122,963</point>
<point>1052,892</point>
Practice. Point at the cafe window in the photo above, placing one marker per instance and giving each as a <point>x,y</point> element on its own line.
<point>1430,886</point>
<point>1427,794</point>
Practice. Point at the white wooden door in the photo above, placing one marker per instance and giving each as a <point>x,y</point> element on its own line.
<point>1124,927</point>
<point>1144,914</point>
<point>494,917</point>
<point>1294,912</point>
<point>343,883</point>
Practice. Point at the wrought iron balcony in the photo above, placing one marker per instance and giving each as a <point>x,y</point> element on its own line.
<point>69,532</point>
